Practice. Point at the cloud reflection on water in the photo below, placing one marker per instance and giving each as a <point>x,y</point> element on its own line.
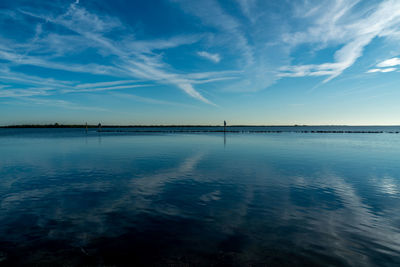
<point>252,200</point>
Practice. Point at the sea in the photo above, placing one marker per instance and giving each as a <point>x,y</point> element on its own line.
<point>200,196</point>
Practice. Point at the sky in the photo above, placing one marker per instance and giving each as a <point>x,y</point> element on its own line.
<point>254,62</point>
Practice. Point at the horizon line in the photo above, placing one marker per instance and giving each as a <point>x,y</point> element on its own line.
<point>56,125</point>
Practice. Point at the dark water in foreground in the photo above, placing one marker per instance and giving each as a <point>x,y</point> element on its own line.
<point>285,199</point>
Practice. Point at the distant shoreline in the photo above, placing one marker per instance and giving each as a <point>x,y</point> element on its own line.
<point>174,126</point>
<point>373,129</point>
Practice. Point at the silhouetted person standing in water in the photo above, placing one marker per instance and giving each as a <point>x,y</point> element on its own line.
<point>224,126</point>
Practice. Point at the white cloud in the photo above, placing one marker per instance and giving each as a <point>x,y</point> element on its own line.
<point>216,58</point>
<point>258,50</point>
<point>149,100</point>
<point>25,92</point>
<point>374,70</point>
<point>212,14</point>
<point>102,84</point>
<point>161,44</point>
<point>389,62</point>
<point>383,66</point>
<point>247,7</point>
<point>20,59</point>
<point>388,70</point>
<point>59,103</point>
<point>213,75</point>
<point>133,58</point>
<point>327,69</point>
<point>98,89</point>
<point>337,24</point>
<point>9,76</point>
<point>188,88</point>
<point>382,70</point>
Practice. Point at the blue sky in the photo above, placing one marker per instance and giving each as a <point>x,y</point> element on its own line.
<point>200,62</point>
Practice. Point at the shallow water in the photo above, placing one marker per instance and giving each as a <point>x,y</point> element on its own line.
<point>70,198</point>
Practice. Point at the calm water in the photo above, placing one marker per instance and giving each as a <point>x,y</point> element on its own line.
<point>70,198</point>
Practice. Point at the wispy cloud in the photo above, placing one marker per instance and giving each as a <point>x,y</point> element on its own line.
<point>246,43</point>
<point>212,14</point>
<point>25,92</point>
<point>389,62</point>
<point>98,89</point>
<point>385,65</point>
<point>63,104</point>
<point>132,58</point>
<point>21,59</point>
<point>247,7</point>
<point>260,42</point>
<point>216,58</point>
<point>149,46</point>
<point>150,100</point>
<point>9,76</point>
<point>22,85</point>
<point>382,70</point>
<point>58,103</point>
<point>103,84</point>
<point>336,23</point>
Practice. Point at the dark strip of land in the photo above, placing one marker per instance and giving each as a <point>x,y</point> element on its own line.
<point>135,126</point>
<point>56,125</point>
<point>206,128</point>
<point>250,131</point>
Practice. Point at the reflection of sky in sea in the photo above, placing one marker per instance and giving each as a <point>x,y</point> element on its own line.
<point>261,198</point>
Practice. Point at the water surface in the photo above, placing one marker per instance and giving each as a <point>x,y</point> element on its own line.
<point>70,198</point>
